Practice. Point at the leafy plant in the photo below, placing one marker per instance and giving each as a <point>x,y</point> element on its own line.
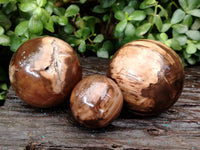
<point>99,27</point>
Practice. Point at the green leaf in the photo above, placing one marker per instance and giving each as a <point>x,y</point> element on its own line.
<point>198,45</point>
<point>105,17</point>
<point>192,4</point>
<point>38,12</point>
<point>72,10</point>
<point>163,12</point>
<point>137,15</point>
<point>165,27</point>
<point>80,23</point>
<point>120,15</point>
<point>4,40</point>
<point>186,55</point>
<point>99,9</point>
<point>193,34</point>
<point>9,7</point>
<point>175,45</point>
<point>16,42</point>
<point>49,25</point>
<point>82,1</point>
<point>194,12</point>
<point>78,33</point>
<point>191,61</point>
<point>4,21</point>
<point>3,95</point>
<point>59,11</point>
<point>151,37</point>
<point>118,34</point>
<point>49,7</point>
<point>21,28</point>
<point>147,3</point>
<point>69,28</point>
<point>141,30</point>
<point>128,9</point>
<point>90,22</point>
<point>27,6</point>
<point>134,3</point>
<point>62,20</point>
<point>191,48</point>
<point>183,4</point>
<point>182,39</point>
<point>177,16</point>
<point>121,26</point>
<point>158,22</point>
<point>3,1</point>
<point>41,3</point>
<point>129,30</point>
<point>73,41</point>
<point>163,36</point>
<point>107,3</point>
<point>168,42</point>
<point>99,38</point>
<point>187,20</point>
<point>45,17</point>
<point>35,26</point>
<point>108,45</point>
<point>1,30</point>
<point>85,32</point>
<point>82,47</point>
<point>149,11</point>
<point>3,86</point>
<point>196,25</point>
<point>180,28</point>
<point>103,53</point>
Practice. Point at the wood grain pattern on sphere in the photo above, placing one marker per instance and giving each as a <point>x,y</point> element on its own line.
<point>96,101</point>
<point>150,75</point>
<point>44,70</point>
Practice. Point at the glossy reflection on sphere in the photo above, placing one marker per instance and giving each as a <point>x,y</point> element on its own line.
<point>96,101</point>
<point>149,74</point>
<point>43,71</point>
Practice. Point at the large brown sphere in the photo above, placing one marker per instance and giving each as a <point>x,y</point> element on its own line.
<point>43,71</point>
<point>96,101</point>
<point>150,75</point>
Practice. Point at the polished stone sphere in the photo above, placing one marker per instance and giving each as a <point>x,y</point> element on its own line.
<point>96,101</point>
<point>44,70</point>
<point>149,74</point>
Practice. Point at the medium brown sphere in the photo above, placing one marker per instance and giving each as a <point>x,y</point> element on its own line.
<point>149,74</point>
<point>96,101</point>
<point>43,71</point>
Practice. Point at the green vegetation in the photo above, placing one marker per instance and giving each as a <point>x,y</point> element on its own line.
<point>99,27</point>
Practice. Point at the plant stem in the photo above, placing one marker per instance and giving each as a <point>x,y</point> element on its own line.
<point>155,13</point>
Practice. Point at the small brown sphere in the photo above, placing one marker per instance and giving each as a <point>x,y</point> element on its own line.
<point>96,101</point>
<point>149,74</point>
<point>43,71</point>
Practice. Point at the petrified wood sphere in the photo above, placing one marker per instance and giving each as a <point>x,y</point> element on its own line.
<point>149,74</point>
<point>96,101</point>
<point>43,71</point>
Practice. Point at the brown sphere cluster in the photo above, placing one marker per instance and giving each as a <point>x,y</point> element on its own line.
<point>43,71</point>
<point>96,101</point>
<point>149,74</point>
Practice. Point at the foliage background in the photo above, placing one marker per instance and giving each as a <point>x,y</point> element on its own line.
<point>99,27</point>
